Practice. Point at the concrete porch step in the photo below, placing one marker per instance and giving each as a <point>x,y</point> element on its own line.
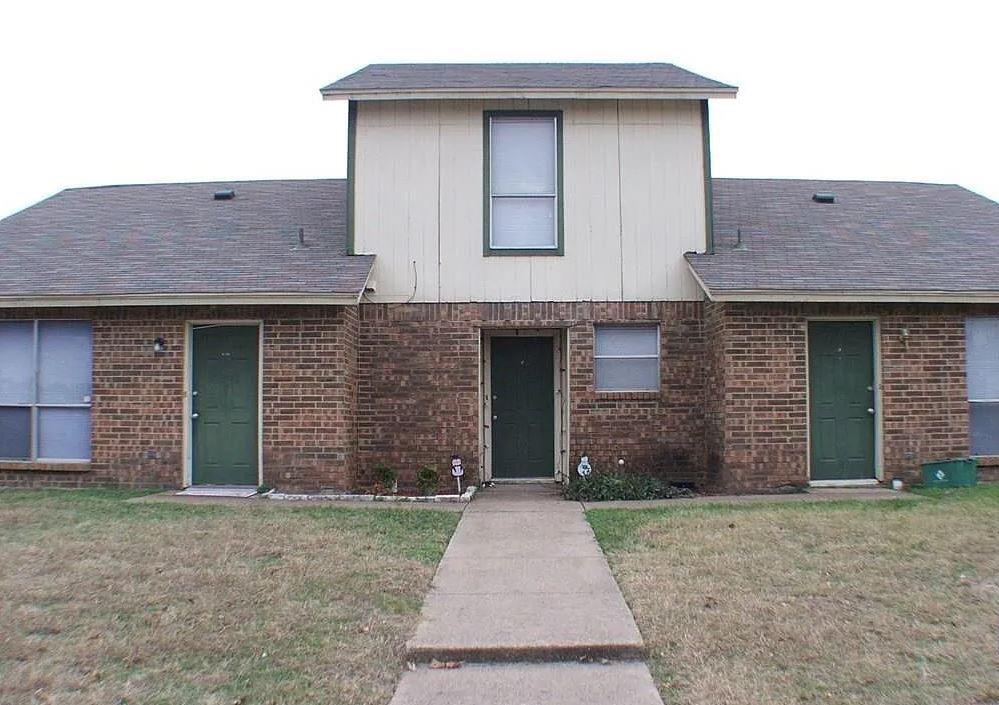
<point>619,683</point>
<point>522,626</point>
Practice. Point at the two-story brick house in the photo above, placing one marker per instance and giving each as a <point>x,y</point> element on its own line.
<point>525,264</point>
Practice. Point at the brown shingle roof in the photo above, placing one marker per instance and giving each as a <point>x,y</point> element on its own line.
<point>876,237</point>
<point>581,77</point>
<point>173,239</point>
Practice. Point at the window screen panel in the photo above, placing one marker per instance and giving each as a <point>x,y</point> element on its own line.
<point>64,362</point>
<point>626,358</point>
<point>64,434</point>
<point>523,223</point>
<point>983,357</point>
<point>626,341</point>
<point>15,433</point>
<point>17,363</point>
<point>627,375</point>
<point>522,156</point>
<point>984,428</point>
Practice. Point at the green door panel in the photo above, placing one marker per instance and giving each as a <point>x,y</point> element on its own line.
<point>841,393</point>
<point>523,426</point>
<point>224,375</point>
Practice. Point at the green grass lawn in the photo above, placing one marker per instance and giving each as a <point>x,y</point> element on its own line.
<point>890,602</point>
<point>111,602</point>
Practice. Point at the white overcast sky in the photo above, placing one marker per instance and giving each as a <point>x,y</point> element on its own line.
<point>137,92</point>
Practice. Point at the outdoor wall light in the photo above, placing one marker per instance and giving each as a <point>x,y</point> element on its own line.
<point>159,346</point>
<point>904,338</point>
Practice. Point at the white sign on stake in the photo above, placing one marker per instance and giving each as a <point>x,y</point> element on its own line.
<point>457,470</point>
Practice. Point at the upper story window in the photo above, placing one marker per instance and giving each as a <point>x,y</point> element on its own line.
<point>983,384</point>
<point>626,358</point>
<point>523,209</point>
<point>45,388</point>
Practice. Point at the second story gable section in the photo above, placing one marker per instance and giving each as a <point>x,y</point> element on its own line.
<point>576,184</point>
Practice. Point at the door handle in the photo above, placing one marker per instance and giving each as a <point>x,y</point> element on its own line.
<point>495,417</point>
<point>870,410</point>
<point>194,415</point>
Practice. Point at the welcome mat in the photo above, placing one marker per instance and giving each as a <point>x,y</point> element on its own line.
<point>218,491</point>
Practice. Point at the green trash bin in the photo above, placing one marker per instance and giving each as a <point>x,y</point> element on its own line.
<point>957,472</point>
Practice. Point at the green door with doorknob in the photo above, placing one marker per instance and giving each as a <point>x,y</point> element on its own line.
<point>522,383</point>
<point>841,400</point>
<point>224,401</point>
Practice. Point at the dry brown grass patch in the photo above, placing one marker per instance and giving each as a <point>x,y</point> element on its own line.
<point>891,602</point>
<point>116,603</point>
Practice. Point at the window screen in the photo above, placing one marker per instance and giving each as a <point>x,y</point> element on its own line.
<point>626,358</point>
<point>983,384</point>
<point>523,182</point>
<point>45,389</point>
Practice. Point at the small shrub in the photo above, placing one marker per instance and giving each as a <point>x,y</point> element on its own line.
<point>263,489</point>
<point>427,480</point>
<point>604,487</point>
<point>385,479</point>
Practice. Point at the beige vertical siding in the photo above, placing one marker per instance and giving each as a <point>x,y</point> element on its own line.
<point>633,202</point>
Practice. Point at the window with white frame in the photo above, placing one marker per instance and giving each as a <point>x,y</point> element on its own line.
<point>983,384</point>
<point>522,183</point>
<point>626,358</point>
<point>45,388</point>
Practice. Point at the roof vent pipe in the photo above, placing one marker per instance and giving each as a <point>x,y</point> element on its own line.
<point>227,195</point>
<point>824,197</point>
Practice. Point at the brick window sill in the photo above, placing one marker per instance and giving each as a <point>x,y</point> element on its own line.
<point>31,466</point>
<point>624,396</point>
<point>988,461</point>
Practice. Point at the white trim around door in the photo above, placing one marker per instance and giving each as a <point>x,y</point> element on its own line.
<point>560,371</point>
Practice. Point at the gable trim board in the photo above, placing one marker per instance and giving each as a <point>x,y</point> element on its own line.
<point>540,94</point>
<point>351,171</point>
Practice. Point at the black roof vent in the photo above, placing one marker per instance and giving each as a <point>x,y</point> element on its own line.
<point>226,195</point>
<point>824,197</point>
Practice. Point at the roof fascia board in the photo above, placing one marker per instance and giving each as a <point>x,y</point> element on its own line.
<point>799,295</point>
<point>522,93</point>
<point>100,300</point>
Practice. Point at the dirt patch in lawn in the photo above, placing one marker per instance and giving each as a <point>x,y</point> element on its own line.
<point>111,602</point>
<point>882,602</point>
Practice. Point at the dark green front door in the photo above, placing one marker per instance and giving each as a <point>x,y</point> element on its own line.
<point>841,400</point>
<point>523,424</point>
<point>224,377</point>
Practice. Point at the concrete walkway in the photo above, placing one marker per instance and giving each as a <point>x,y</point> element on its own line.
<point>522,595</point>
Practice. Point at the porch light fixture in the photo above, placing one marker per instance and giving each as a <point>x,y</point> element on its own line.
<point>159,346</point>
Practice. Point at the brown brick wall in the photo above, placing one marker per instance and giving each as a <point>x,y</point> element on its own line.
<point>419,386</point>
<point>924,412</point>
<point>345,388</point>
<point>137,416</point>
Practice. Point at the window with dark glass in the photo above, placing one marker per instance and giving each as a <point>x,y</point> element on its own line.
<point>45,389</point>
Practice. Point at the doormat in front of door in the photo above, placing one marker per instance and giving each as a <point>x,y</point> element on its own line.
<point>219,491</point>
